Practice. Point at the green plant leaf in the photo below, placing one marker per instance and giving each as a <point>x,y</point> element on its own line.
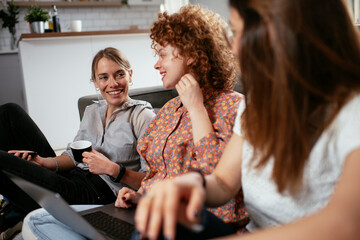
<point>9,16</point>
<point>36,14</point>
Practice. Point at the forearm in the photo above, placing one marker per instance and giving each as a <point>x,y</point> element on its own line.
<point>225,181</point>
<point>217,192</point>
<point>130,178</point>
<point>64,163</point>
<point>133,178</point>
<point>201,124</point>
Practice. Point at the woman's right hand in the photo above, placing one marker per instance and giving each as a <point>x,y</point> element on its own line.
<point>168,202</point>
<point>127,198</point>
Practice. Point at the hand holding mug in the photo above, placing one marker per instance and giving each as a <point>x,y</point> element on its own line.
<point>98,163</point>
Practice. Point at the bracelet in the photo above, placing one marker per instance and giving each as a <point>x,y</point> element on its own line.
<point>202,177</point>
<point>57,164</point>
<point>120,175</point>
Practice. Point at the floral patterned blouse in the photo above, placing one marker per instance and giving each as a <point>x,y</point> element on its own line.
<point>168,150</point>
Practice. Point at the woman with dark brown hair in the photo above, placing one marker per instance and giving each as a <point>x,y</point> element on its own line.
<point>295,150</point>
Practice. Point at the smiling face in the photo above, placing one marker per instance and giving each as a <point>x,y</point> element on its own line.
<point>113,83</point>
<point>171,65</point>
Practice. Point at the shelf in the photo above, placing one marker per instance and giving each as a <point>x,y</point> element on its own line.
<point>81,34</point>
<point>69,4</point>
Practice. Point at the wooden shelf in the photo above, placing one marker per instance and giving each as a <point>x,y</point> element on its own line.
<point>69,4</point>
<point>80,34</point>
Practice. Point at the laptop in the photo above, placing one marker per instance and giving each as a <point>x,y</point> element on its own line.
<point>100,223</point>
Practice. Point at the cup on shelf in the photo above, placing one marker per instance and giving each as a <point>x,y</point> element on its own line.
<point>76,25</point>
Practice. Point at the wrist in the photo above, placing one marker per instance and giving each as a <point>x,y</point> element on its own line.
<point>46,162</point>
<point>56,167</point>
<point>121,173</point>
<point>201,177</point>
<point>197,109</point>
<point>114,170</point>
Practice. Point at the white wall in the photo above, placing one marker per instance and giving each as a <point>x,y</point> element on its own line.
<point>57,73</point>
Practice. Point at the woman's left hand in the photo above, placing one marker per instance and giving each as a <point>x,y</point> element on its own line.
<point>190,93</point>
<point>97,162</point>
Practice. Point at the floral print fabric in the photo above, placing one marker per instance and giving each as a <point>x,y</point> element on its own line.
<point>168,150</point>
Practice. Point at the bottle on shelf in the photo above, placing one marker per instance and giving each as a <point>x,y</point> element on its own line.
<point>49,24</point>
<point>56,20</point>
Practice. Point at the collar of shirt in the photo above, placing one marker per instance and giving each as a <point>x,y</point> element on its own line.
<point>103,105</point>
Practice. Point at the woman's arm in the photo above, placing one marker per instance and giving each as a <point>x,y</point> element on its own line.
<point>60,163</point>
<point>225,181</point>
<point>130,178</point>
<point>210,137</point>
<point>340,219</point>
<point>192,98</point>
<point>98,164</point>
<point>161,209</point>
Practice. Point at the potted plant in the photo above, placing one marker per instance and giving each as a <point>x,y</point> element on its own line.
<point>9,17</point>
<point>36,17</point>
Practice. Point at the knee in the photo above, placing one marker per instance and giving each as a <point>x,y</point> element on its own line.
<point>10,108</point>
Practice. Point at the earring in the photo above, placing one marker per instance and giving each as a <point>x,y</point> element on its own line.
<point>131,83</point>
<point>97,89</point>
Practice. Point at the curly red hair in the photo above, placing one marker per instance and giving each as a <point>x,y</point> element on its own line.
<point>198,33</point>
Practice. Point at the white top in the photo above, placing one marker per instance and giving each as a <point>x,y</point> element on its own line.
<point>267,207</point>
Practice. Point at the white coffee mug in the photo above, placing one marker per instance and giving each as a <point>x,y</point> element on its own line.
<point>76,26</point>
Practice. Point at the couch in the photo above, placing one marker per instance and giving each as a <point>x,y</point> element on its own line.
<point>157,96</point>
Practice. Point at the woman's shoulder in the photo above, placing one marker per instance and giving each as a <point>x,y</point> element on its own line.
<point>140,104</point>
<point>224,95</point>
<point>95,106</point>
<point>228,99</point>
<point>350,112</point>
<point>171,104</point>
<point>140,107</point>
<point>231,95</point>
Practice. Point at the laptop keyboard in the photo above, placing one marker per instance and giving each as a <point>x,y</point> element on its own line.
<point>112,227</point>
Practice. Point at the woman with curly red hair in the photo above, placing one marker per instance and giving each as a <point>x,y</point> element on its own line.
<point>190,132</point>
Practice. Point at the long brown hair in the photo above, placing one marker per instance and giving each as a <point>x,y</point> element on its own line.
<point>198,33</point>
<point>300,63</point>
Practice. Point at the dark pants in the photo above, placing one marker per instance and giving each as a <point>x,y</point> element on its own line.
<point>19,132</point>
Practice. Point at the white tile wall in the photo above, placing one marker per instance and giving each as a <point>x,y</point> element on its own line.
<point>93,19</point>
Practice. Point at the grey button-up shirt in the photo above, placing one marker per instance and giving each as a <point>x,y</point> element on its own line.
<point>118,139</point>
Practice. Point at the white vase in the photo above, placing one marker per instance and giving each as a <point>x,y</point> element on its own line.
<point>38,27</point>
